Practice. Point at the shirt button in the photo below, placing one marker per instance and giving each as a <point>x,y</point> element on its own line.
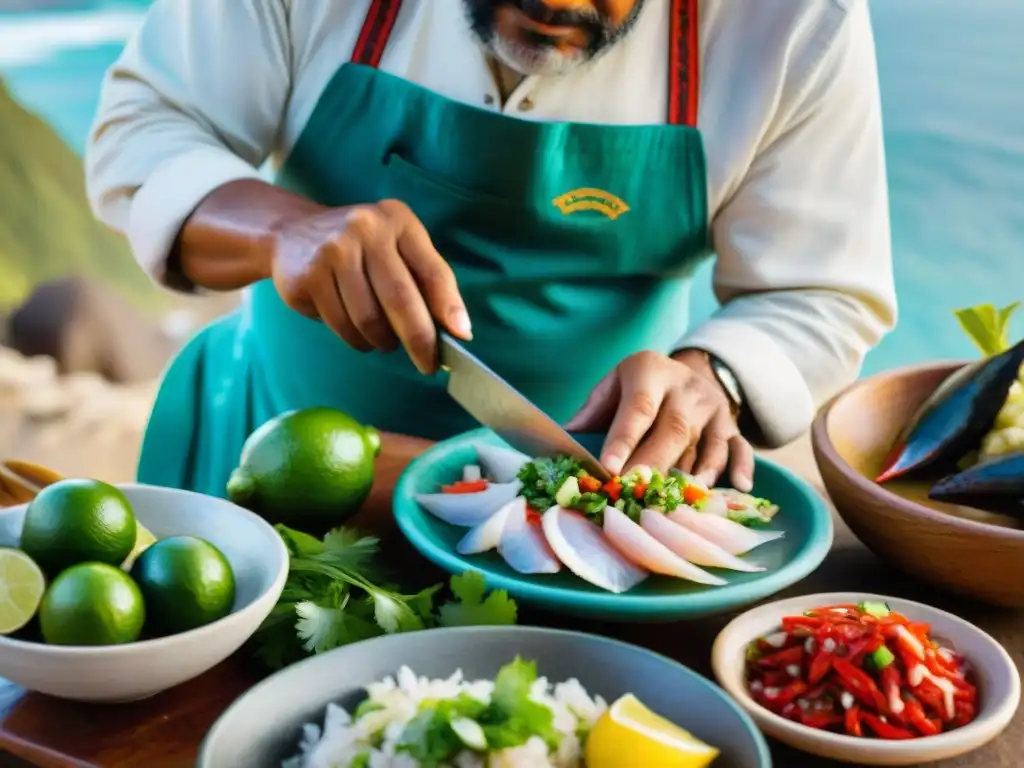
<point>525,105</point>
<point>488,99</point>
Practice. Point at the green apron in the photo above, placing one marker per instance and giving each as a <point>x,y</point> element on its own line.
<point>573,246</point>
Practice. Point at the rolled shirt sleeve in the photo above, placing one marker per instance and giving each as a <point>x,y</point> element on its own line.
<point>804,269</point>
<point>195,101</point>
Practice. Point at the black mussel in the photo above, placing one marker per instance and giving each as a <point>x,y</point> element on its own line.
<point>956,417</point>
<point>996,485</point>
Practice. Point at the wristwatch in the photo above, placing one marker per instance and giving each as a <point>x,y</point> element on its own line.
<point>727,380</point>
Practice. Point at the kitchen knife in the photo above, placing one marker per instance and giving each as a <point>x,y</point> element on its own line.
<point>498,405</point>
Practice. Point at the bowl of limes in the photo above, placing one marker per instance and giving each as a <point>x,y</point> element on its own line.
<point>113,593</point>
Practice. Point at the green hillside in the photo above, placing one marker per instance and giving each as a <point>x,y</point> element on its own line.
<point>46,227</point>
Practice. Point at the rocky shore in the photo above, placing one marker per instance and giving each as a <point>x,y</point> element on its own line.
<point>77,424</point>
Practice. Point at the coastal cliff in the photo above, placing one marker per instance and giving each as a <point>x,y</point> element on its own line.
<point>46,228</point>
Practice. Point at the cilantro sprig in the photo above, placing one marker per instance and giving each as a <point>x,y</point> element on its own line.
<point>336,594</point>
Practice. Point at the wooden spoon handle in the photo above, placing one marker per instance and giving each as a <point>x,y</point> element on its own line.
<point>20,481</point>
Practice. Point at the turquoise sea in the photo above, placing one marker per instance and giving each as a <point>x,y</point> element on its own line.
<point>953,90</point>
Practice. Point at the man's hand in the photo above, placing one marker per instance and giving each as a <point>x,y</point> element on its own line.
<point>371,273</point>
<point>667,412</point>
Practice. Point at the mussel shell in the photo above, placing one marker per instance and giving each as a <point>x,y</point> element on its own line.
<point>996,485</point>
<point>952,422</point>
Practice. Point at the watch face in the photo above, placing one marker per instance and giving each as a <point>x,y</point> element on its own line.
<point>728,381</point>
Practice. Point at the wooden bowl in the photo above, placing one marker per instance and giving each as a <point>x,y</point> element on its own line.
<point>959,549</point>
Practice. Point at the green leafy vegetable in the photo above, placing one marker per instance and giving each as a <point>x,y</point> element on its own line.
<point>987,326</point>
<point>336,594</point>
<point>510,720</point>
<point>474,607</point>
<point>541,479</point>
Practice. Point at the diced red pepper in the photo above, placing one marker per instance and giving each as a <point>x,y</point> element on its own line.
<point>914,714</point>
<point>941,667</point>
<point>860,684</point>
<point>775,679</point>
<point>784,658</point>
<point>820,666</point>
<point>784,695</point>
<point>852,721</point>
<point>920,630</point>
<point>884,730</point>
<point>639,490</point>
<point>820,720</point>
<point>848,632</point>
<point>832,667</point>
<point>693,494</point>
<point>589,484</point>
<point>931,697</point>
<point>791,623</point>
<point>613,488</point>
<point>890,683</point>
<point>465,486</point>
<point>533,516</point>
<point>963,713</point>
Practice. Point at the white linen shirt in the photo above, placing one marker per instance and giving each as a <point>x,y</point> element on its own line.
<point>208,90</point>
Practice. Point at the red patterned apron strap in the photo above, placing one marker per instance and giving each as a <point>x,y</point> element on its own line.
<point>373,38</point>
<point>684,63</point>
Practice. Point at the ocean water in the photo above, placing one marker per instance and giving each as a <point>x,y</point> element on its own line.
<point>953,97</point>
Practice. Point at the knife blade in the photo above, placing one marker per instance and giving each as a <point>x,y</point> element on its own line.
<point>501,407</point>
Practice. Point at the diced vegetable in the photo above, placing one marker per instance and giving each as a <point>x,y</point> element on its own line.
<point>863,670</point>
<point>563,482</point>
<point>471,473</point>
<point>878,610</point>
<point>882,657</point>
<point>465,486</point>
<point>569,493</point>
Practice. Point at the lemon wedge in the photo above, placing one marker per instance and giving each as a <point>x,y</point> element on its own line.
<point>629,734</point>
<point>143,540</point>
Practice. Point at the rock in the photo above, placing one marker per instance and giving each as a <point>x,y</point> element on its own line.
<point>87,327</point>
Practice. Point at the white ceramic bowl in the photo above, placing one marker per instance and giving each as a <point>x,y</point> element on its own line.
<point>996,676</point>
<point>136,670</point>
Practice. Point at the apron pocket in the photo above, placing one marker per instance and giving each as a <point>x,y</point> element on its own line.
<point>407,171</point>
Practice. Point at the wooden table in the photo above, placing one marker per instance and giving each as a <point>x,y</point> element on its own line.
<point>165,731</point>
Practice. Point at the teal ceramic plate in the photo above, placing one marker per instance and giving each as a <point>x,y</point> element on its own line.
<point>803,515</point>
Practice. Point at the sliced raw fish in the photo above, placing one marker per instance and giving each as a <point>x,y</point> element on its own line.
<point>486,536</point>
<point>692,546</point>
<point>645,550</point>
<point>734,538</point>
<point>469,509</point>
<point>500,464</point>
<point>585,550</point>
<point>742,508</point>
<point>523,545</point>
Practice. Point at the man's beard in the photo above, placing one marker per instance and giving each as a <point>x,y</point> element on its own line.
<point>542,57</point>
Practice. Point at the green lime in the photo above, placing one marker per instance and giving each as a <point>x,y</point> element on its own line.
<point>21,588</point>
<point>187,583</point>
<point>78,521</point>
<point>92,604</point>
<point>309,469</point>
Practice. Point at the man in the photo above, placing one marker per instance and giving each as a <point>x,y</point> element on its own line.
<point>539,176</point>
